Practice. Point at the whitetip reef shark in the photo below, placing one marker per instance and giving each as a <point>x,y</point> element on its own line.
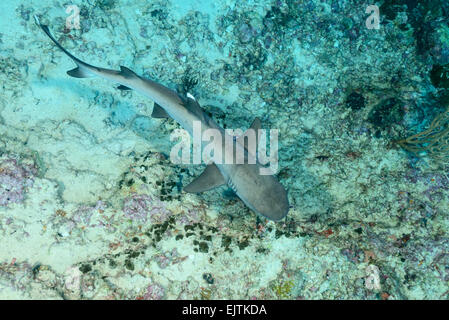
<point>261,193</point>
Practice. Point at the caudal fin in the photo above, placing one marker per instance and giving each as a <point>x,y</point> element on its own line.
<point>82,70</point>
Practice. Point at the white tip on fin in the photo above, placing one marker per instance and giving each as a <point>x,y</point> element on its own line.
<point>189,95</point>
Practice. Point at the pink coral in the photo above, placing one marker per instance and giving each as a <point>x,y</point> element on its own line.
<point>190,217</point>
<point>170,257</point>
<point>14,178</point>
<point>141,206</point>
<point>154,292</point>
<point>84,213</point>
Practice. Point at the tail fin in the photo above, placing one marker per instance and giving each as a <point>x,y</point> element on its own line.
<point>82,70</point>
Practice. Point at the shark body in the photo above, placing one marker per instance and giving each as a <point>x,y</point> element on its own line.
<point>261,193</point>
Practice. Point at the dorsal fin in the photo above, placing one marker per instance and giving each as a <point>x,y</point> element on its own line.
<point>255,126</point>
<point>209,179</point>
<point>159,112</point>
<point>193,106</point>
<point>126,72</point>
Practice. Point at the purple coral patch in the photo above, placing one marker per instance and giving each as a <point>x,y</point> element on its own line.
<point>154,292</point>
<point>140,207</point>
<point>84,213</point>
<point>14,179</point>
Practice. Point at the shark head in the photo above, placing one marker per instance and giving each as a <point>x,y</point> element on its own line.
<point>264,194</point>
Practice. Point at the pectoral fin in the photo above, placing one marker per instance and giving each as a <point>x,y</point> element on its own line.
<point>159,112</point>
<point>127,73</point>
<point>209,179</point>
<point>193,106</point>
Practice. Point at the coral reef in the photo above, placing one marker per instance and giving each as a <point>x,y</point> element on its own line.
<point>15,178</point>
<point>154,292</point>
<point>434,141</point>
<point>140,206</point>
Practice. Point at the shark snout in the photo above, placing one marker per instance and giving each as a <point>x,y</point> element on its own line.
<point>264,194</point>
<point>275,208</point>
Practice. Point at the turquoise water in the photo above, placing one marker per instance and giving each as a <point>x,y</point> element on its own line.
<point>92,205</point>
